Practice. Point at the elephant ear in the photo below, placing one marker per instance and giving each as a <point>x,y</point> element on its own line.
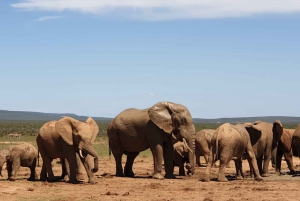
<point>179,148</point>
<point>94,128</point>
<point>160,114</point>
<point>65,128</point>
<point>277,130</point>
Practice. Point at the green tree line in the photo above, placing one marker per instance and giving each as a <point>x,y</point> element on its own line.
<point>31,128</point>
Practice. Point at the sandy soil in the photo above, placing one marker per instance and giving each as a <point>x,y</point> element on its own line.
<point>285,187</point>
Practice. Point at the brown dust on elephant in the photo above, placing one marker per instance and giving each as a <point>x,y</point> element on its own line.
<point>68,139</point>
<point>16,156</point>
<point>264,139</point>
<point>230,142</point>
<point>203,144</point>
<point>135,130</point>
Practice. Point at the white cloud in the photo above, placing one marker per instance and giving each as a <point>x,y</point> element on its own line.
<point>48,18</point>
<point>166,9</point>
<point>151,94</point>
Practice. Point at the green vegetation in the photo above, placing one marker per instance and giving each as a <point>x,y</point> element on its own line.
<point>29,130</point>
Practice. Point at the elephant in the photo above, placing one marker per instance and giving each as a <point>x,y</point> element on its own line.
<point>181,157</point>
<point>16,156</point>
<point>284,149</point>
<point>135,130</point>
<point>264,138</point>
<point>296,142</point>
<point>68,139</point>
<point>230,142</point>
<point>203,144</point>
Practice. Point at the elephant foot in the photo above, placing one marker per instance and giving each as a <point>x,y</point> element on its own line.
<point>258,178</point>
<point>222,179</point>
<point>206,179</point>
<point>157,176</point>
<point>11,179</point>
<point>75,181</point>
<point>292,172</point>
<point>119,174</point>
<point>43,179</point>
<point>129,174</point>
<point>170,176</point>
<point>31,179</point>
<point>265,175</point>
<point>239,177</point>
<point>80,177</point>
<point>92,182</point>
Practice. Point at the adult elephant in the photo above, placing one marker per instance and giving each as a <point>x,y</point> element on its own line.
<point>230,142</point>
<point>65,139</point>
<point>264,139</point>
<point>284,149</point>
<point>203,144</point>
<point>296,141</point>
<point>134,130</point>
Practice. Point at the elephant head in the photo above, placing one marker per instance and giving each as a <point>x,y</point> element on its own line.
<point>176,119</point>
<point>80,135</point>
<point>4,156</point>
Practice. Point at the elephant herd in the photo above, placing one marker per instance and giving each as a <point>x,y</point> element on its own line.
<point>167,129</point>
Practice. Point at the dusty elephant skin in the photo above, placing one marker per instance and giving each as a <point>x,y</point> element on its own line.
<point>296,141</point>
<point>134,130</point>
<point>64,139</point>
<point>16,156</point>
<point>264,139</point>
<point>203,144</point>
<point>229,142</point>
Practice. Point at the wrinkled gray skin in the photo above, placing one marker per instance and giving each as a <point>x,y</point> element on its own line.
<point>229,142</point>
<point>63,139</point>
<point>135,130</point>
<point>16,156</point>
<point>264,139</point>
<point>203,144</point>
<point>181,157</point>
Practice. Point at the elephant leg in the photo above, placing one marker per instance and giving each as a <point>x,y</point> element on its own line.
<point>238,168</point>
<point>223,163</point>
<point>33,175</point>
<point>197,158</point>
<point>118,160</point>
<point>267,158</point>
<point>252,161</point>
<point>16,163</point>
<point>210,162</point>
<point>47,167</point>
<point>278,162</point>
<point>181,169</point>
<point>70,155</point>
<point>289,160</point>
<point>129,162</point>
<point>157,152</point>
<point>9,168</point>
<point>64,169</point>
<point>168,150</point>
<point>81,169</point>
<point>259,165</point>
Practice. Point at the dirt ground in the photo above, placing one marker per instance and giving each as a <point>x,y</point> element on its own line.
<point>142,187</point>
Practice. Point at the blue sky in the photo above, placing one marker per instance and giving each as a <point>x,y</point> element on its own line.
<point>98,58</point>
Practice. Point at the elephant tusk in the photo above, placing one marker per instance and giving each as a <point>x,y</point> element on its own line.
<point>184,141</point>
<point>80,153</point>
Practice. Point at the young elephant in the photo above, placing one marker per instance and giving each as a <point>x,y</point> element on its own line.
<point>203,144</point>
<point>229,142</point>
<point>181,157</point>
<point>24,155</point>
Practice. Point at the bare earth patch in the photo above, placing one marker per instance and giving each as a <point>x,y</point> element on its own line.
<point>142,187</point>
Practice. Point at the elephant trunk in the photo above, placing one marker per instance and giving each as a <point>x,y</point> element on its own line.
<point>191,144</point>
<point>87,147</point>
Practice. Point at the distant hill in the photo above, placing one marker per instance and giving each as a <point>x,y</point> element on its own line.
<point>39,116</point>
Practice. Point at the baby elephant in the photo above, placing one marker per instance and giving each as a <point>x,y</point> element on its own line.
<point>24,155</point>
<point>181,156</point>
